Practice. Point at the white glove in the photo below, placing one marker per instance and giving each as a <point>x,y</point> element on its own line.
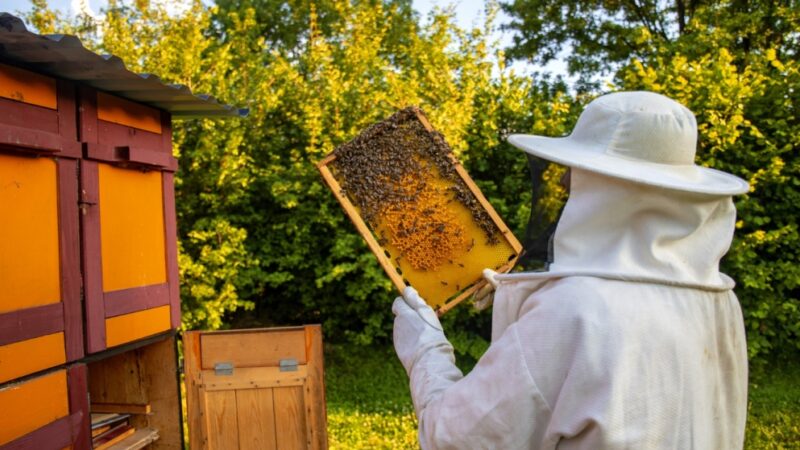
<point>416,328</point>
<point>484,296</point>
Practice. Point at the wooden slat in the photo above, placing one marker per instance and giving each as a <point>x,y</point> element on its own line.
<point>139,439</point>
<point>70,253</point>
<point>171,247</point>
<point>125,112</point>
<point>27,87</point>
<point>256,417</point>
<point>316,409</point>
<point>91,256</point>
<point>291,421</point>
<point>256,349</point>
<point>29,323</point>
<point>121,408</point>
<point>79,405</point>
<point>252,378</point>
<point>194,403</point>
<point>116,439</point>
<point>222,420</point>
<point>126,301</point>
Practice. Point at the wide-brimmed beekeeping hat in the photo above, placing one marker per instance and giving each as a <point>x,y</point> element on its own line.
<point>643,137</point>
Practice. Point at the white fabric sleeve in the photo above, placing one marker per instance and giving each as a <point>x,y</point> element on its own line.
<point>496,406</point>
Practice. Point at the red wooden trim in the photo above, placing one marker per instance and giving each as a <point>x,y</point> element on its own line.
<point>171,241</point>
<point>134,155</point>
<point>69,249</point>
<point>55,435</point>
<point>37,141</point>
<point>126,301</point>
<point>166,133</point>
<point>113,134</point>
<point>87,114</point>
<point>79,405</point>
<point>29,323</point>
<point>67,119</point>
<point>35,118</point>
<point>91,258</point>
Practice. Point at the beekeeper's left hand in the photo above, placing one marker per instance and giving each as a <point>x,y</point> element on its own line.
<point>416,328</point>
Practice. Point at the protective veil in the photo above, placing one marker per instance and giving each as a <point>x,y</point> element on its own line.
<point>632,339</point>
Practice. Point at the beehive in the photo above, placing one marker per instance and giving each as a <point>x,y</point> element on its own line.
<point>417,208</point>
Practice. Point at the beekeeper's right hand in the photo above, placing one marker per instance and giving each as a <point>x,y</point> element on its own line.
<point>484,296</point>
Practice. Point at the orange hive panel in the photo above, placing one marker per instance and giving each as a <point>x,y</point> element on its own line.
<point>33,404</point>
<point>133,326</point>
<point>31,355</point>
<point>28,87</point>
<point>419,211</point>
<point>125,112</point>
<point>29,254</point>
<point>131,228</point>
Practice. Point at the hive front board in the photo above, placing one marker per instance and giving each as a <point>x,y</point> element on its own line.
<point>418,210</point>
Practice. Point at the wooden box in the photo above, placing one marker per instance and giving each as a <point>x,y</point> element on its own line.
<point>143,382</point>
<point>49,411</point>
<point>130,258</point>
<point>255,389</point>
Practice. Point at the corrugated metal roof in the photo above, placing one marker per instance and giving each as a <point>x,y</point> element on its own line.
<point>64,56</point>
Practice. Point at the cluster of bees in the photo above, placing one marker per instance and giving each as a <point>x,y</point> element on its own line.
<point>388,173</point>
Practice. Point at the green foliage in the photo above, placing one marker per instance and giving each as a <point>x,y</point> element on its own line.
<point>258,229</point>
<point>735,65</point>
<point>774,410</point>
<point>369,406</point>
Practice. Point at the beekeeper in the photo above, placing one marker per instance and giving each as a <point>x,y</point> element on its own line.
<point>632,338</point>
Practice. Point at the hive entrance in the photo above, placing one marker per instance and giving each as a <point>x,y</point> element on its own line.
<point>419,211</point>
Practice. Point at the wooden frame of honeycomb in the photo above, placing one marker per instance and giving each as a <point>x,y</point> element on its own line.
<point>418,210</point>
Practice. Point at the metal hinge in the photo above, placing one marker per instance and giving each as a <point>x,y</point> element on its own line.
<point>288,365</point>
<point>223,368</point>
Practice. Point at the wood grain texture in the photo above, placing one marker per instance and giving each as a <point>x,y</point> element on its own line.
<point>79,405</point>
<point>290,418</point>
<point>139,439</point>
<point>91,255</point>
<point>256,419</point>
<point>253,378</point>
<point>253,349</point>
<point>69,250</point>
<point>194,403</point>
<point>316,408</point>
<point>159,379</point>
<point>221,420</point>
<point>121,408</point>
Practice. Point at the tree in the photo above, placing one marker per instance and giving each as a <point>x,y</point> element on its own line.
<point>734,64</point>
<point>258,230</point>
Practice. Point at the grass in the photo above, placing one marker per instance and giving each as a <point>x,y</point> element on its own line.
<point>369,406</point>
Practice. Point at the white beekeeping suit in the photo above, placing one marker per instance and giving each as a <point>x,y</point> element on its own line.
<point>632,339</point>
